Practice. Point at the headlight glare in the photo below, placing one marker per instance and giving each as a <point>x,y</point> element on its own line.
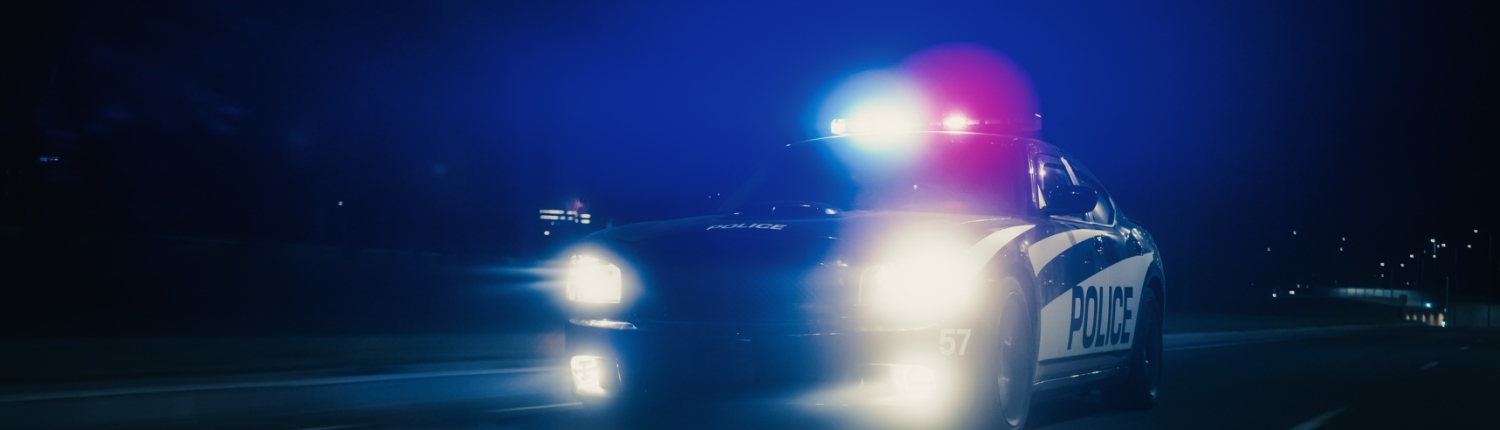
<point>591,280</point>
<point>932,281</point>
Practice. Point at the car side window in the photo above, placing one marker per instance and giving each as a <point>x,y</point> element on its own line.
<point>1104,210</point>
<point>1051,173</point>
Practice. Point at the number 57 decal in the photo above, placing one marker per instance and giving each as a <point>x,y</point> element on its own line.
<point>949,342</point>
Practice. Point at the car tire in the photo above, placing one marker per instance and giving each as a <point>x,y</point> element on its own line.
<point>1002,398</point>
<point>1139,388</point>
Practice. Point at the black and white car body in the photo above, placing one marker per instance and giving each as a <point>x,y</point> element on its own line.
<point>963,271</point>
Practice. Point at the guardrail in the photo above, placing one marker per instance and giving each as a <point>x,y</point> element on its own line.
<point>1397,297</point>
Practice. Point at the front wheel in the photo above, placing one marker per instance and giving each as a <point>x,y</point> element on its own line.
<point>1003,398</point>
<point>1138,390</point>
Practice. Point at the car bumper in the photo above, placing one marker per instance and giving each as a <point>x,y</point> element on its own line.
<point>665,360</point>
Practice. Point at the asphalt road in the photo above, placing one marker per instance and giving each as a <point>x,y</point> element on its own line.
<point>1401,378</point>
<point>1409,378</point>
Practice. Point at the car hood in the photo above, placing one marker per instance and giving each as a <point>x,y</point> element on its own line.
<point>754,268</point>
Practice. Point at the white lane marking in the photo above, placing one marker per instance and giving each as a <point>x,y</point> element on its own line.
<point>1428,366</point>
<point>272,384</point>
<point>1318,421</point>
<point>532,408</point>
<point>1043,251</point>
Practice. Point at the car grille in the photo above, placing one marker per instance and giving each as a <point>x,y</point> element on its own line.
<point>742,284</point>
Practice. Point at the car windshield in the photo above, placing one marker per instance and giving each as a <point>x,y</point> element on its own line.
<point>923,172</point>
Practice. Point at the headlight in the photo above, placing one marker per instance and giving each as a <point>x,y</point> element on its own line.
<point>924,282</point>
<point>591,280</point>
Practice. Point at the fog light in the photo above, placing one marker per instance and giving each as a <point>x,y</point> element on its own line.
<point>912,379</point>
<point>901,381</point>
<point>588,375</point>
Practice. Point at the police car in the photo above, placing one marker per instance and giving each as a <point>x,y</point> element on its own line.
<point>952,267</point>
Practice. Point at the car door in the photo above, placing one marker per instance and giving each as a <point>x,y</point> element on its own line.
<point>1118,281</point>
<point>1064,255</point>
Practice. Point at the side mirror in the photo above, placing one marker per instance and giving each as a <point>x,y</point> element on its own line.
<point>1071,200</point>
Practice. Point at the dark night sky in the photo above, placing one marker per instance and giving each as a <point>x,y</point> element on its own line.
<point>444,125</point>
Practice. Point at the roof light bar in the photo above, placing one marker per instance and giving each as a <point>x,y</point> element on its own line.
<point>958,122</point>
<point>843,126</point>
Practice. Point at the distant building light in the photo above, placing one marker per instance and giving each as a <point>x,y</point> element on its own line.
<point>47,159</point>
<point>546,232</point>
<point>341,202</point>
<point>1293,292</point>
<point>564,215</point>
<point>1428,304</point>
